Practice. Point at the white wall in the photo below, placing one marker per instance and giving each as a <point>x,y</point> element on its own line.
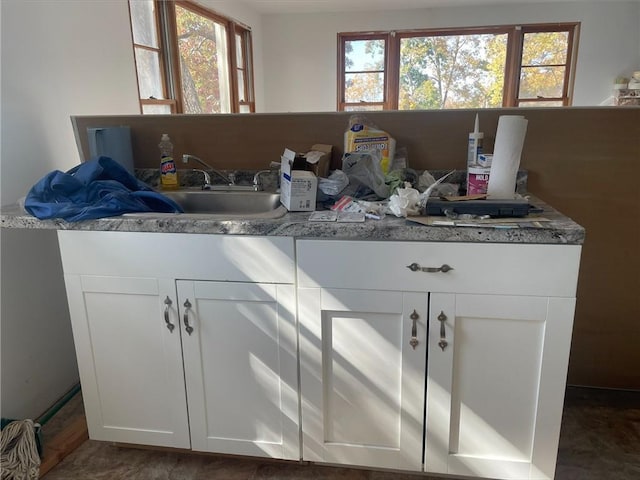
<point>300,50</point>
<point>59,59</point>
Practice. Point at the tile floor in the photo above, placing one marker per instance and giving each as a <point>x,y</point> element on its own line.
<point>600,440</point>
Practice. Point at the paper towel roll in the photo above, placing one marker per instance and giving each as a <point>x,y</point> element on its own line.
<point>506,156</point>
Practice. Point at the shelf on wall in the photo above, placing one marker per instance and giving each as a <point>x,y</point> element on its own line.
<point>626,96</point>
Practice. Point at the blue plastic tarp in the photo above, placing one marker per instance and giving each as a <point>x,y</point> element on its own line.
<point>98,188</point>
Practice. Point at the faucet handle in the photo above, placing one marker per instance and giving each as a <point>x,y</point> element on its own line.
<point>206,185</point>
<point>257,180</point>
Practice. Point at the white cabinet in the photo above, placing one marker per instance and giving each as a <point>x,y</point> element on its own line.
<point>152,347</point>
<point>500,319</point>
<point>362,382</point>
<point>241,367</point>
<point>496,384</point>
<point>130,363</point>
<point>448,358</point>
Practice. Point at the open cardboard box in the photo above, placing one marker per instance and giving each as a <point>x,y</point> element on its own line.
<point>318,163</point>
<point>298,187</point>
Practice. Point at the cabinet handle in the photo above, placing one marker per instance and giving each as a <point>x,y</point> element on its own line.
<point>414,267</point>
<point>185,318</point>
<point>414,329</point>
<point>167,304</point>
<point>443,336</point>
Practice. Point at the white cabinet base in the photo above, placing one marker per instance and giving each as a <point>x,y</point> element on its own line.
<point>495,332</point>
<point>362,384</point>
<point>495,393</point>
<point>241,367</point>
<point>230,385</point>
<point>500,321</point>
<point>130,363</point>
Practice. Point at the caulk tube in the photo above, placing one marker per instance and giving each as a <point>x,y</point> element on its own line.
<point>474,148</point>
<point>475,144</point>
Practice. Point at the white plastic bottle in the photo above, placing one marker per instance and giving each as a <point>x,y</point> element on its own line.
<point>168,171</point>
<point>475,144</point>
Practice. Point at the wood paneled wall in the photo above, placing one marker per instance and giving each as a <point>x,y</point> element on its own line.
<point>583,161</point>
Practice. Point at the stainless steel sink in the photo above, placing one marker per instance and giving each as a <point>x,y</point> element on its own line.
<point>229,203</point>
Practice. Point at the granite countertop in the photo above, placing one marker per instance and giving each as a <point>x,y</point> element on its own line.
<point>559,229</point>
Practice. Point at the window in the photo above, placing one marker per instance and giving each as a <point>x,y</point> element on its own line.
<point>483,67</point>
<point>149,58</point>
<point>545,66</point>
<point>365,73</point>
<point>451,71</point>
<point>190,60</point>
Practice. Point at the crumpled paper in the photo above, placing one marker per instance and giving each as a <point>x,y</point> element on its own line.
<point>405,201</point>
<point>314,156</point>
<point>409,201</point>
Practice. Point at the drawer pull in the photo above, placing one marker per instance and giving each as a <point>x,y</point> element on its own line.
<point>414,267</point>
<point>443,336</point>
<point>167,303</point>
<point>414,330</point>
<point>185,318</point>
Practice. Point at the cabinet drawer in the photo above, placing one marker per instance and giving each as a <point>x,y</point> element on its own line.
<point>235,258</point>
<point>491,268</point>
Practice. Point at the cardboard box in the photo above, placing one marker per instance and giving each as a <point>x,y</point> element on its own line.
<point>298,188</point>
<point>319,159</point>
<point>485,159</point>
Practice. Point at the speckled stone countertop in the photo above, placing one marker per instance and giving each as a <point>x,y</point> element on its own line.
<point>558,230</point>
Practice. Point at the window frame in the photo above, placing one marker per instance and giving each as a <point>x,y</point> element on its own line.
<point>247,66</point>
<point>166,30</point>
<point>513,61</point>
<point>342,71</point>
<point>573,30</point>
<point>161,51</point>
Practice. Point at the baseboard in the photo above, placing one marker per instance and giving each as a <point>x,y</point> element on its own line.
<point>74,435</point>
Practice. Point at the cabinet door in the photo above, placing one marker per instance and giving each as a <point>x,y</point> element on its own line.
<point>130,361</point>
<point>495,391</point>
<point>362,383</point>
<point>241,367</point>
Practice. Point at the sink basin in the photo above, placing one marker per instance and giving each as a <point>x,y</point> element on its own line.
<point>229,203</point>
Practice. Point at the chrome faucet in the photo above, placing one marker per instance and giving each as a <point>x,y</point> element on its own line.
<point>207,178</point>
<point>229,180</point>
<point>257,183</point>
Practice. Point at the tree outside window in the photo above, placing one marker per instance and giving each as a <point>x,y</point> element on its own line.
<point>484,67</point>
<point>364,77</point>
<point>451,71</point>
<point>190,59</point>
<point>203,54</point>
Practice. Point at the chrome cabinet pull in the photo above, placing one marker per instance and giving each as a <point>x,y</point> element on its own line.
<point>414,329</point>
<point>414,267</point>
<point>167,305</point>
<point>443,336</point>
<point>185,318</point>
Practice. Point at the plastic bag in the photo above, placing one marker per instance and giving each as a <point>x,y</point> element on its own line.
<point>334,184</point>
<point>400,159</point>
<point>438,187</point>
<point>425,181</point>
<point>364,168</point>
